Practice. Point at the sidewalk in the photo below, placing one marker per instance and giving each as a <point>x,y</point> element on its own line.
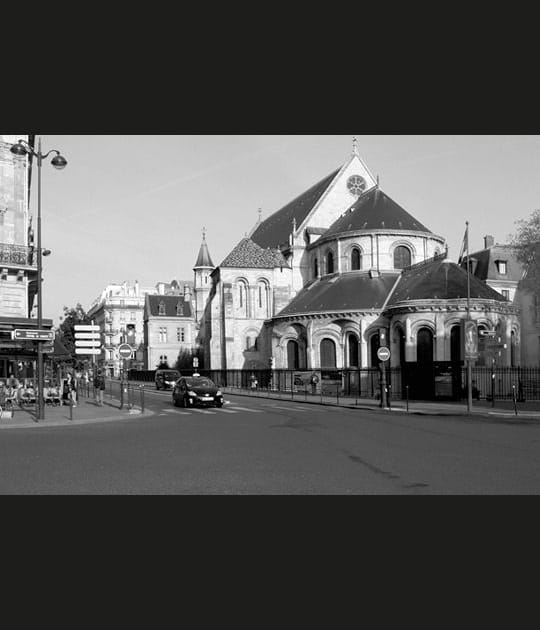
<point>86,411</point>
<point>529,411</point>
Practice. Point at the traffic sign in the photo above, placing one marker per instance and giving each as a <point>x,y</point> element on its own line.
<point>125,351</point>
<point>87,350</point>
<point>383,353</point>
<point>195,362</point>
<point>88,344</point>
<point>86,328</point>
<point>33,335</point>
<point>87,335</point>
<point>488,333</point>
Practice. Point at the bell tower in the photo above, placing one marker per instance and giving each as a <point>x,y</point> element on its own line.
<point>202,284</point>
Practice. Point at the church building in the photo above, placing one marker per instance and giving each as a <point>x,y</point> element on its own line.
<point>335,274</point>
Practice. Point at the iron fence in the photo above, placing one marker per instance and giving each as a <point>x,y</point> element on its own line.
<point>489,384</point>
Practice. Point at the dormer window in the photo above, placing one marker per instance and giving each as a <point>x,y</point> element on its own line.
<point>501,266</point>
<point>180,309</point>
<point>161,310</point>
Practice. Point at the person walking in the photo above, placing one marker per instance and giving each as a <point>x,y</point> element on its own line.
<point>99,386</point>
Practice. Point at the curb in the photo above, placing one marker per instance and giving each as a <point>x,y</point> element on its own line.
<point>128,414</point>
<point>488,415</point>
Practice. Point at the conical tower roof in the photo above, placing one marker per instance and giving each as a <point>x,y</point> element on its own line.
<point>204,260</point>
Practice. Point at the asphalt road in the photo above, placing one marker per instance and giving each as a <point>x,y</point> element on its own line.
<point>262,446</point>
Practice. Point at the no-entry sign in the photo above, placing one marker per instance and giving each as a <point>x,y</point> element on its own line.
<point>125,351</point>
<point>383,354</point>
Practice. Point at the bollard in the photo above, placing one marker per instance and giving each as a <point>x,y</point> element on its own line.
<point>71,410</point>
<point>407,390</point>
<point>141,388</point>
<point>337,394</point>
<point>514,398</point>
<point>389,396</point>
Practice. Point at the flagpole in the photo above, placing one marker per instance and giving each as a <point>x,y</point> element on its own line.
<point>469,366</point>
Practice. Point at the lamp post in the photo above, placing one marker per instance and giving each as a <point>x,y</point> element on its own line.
<point>21,149</point>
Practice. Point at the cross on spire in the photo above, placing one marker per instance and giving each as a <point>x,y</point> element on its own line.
<point>260,215</point>
<point>204,234</point>
<point>355,146</point>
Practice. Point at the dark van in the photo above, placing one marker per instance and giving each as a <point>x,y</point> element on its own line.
<point>166,379</point>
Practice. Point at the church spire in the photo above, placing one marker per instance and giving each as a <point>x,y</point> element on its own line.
<point>204,260</point>
<point>355,147</point>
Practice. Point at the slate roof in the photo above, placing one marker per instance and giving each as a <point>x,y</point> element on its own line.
<point>248,254</point>
<point>439,280</point>
<point>275,231</point>
<point>170,301</point>
<point>374,210</point>
<point>356,291</point>
<point>486,269</point>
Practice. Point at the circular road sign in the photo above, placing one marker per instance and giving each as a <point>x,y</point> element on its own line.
<point>383,354</point>
<point>125,351</point>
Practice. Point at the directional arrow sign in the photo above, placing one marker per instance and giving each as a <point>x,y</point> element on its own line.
<point>86,328</point>
<point>88,335</point>
<point>87,350</point>
<point>87,344</point>
<point>33,335</point>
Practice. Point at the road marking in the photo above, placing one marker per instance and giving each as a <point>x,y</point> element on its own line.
<point>209,413</point>
<point>181,413</point>
<point>221,410</point>
<point>250,410</point>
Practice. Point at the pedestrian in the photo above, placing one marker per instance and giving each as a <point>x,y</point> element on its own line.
<point>70,391</point>
<point>99,386</point>
<point>314,380</point>
<point>254,382</point>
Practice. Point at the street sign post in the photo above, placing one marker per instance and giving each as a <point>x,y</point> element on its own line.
<point>383,353</point>
<point>195,362</point>
<point>125,351</point>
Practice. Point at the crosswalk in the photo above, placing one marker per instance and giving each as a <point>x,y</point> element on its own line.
<point>231,409</point>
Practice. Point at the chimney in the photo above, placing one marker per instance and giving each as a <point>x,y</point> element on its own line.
<point>489,241</point>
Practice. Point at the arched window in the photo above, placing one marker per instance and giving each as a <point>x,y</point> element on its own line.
<point>292,355</point>
<point>481,361</point>
<point>374,345</point>
<point>330,263</point>
<point>455,344</point>
<point>353,350</point>
<point>328,354</point>
<point>401,337</point>
<point>356,259</point>
<point>513,349</point>
<point>424,346</point>
<point>315,268</point>
<point>402,257</point>
<point>242,298</point>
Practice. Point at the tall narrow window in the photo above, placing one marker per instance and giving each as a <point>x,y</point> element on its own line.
<point>292,355</point>
<point>353,350</point>
<point>328,354</point>
<point>424,346</point>
<point>356,259</point>
<point>315,268</point>
<point>330,263</point>
<point>402,257</point>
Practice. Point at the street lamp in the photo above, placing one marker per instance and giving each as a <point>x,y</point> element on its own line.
<point>21,149</point>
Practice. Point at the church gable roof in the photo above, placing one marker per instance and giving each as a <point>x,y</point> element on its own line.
<point>174,306</point>
<point>356,291</point>
<point>275,231</point>
<point>249,255</point>
<point>439,279</point>
<point>375,210</point>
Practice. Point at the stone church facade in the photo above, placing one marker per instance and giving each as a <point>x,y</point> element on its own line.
<point>338,272</point>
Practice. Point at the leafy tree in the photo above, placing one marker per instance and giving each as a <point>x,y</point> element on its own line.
<point>70,318</point>
<point>526,241</point>
<point>185,359</point>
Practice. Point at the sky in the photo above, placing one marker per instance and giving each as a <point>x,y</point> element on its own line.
<point>133,207</point>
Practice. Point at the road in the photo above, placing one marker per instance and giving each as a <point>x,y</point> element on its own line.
<point>261,446</point>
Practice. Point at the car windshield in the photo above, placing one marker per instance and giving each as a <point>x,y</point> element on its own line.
<point>199,382</point>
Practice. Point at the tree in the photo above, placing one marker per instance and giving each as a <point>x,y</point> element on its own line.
<point>70,318</point>
<point>526,241</point>
<point>185,359</point>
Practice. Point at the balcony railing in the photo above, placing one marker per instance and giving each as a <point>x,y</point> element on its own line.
<point>17,255</point>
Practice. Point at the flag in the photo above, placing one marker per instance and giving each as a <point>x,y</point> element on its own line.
<point>464,246</point>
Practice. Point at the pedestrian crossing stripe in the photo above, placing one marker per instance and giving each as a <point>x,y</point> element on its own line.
<point>246,409</point>
<point>287,408</point>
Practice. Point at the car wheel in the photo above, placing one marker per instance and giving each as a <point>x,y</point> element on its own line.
<point>184,402</point>
<point>175,401</point>
<point>219,404</point>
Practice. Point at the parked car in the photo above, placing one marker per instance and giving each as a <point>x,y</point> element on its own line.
<point>190,391</point>
<point>166,379</point>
